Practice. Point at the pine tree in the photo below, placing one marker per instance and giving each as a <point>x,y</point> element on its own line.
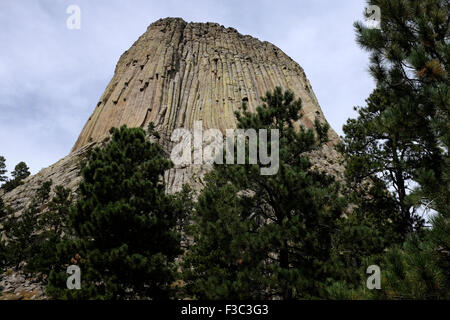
<point>21,171</point>
<point>20,234</point>
<point>401,139</point>
<point>125,227</point>
<point>266,236</point>
<point>410,62</point>
<point>413,272</point>
<point>2,209</point>
<point>52,227</point>
<point>43,193</point>
<point>380,144</point>
<point>3,255</point>
<point>3,170</point>
<point>23,232</point>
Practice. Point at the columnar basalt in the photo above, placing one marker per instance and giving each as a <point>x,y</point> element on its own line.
<point>177,73</point>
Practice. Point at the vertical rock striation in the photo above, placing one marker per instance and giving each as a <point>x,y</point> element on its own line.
<point>177,73</point>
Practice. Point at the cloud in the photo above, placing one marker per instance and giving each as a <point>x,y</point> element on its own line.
<point>52,77</point>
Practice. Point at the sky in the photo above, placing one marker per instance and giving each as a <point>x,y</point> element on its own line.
<point>51,77</point>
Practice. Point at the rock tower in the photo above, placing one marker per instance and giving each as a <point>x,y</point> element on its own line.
<point>177,73</point>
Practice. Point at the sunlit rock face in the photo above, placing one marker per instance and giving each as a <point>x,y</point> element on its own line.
<point>177,73</point>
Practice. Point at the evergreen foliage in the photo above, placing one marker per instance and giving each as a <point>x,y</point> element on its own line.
<point>3,170</point>
<point>21,171</point>
<point>21,236</point>
<point>52,228</point>
<point>2,209</point>
<point>399,142</point>
<point>410,61</point>
<point>297,234</point>
<point>258,236</point>
<point>125,236</point>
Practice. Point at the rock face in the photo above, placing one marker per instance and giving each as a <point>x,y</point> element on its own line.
<point>177,73</point>
<point>174,74</point>
<point>15,285</point>
<point>65,172</point>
